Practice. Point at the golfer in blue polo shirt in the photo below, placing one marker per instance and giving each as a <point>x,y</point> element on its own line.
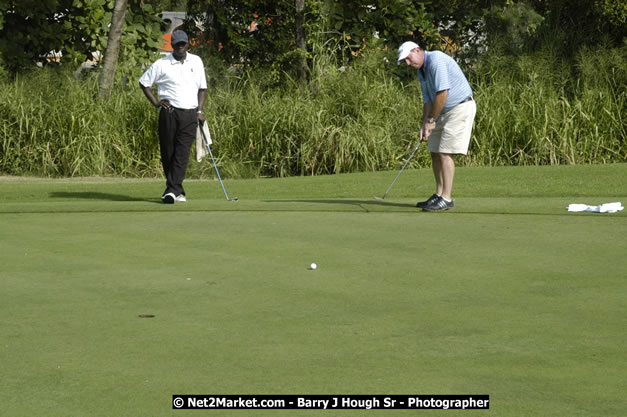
<point>448,115</point>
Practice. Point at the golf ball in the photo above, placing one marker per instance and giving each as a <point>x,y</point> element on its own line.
<point>313,266</point>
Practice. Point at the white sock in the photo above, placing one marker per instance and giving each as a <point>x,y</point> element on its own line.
<point>446,201</point>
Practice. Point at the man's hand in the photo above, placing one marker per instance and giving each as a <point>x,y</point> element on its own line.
<point>426,130</point>
<point>165,104</point>
<point>431,111</point>
<point>153,100</point>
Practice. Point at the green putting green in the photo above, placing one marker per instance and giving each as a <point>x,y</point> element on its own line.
<point>507,295</point>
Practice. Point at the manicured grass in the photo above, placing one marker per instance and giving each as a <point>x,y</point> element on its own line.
<point>508,295</point>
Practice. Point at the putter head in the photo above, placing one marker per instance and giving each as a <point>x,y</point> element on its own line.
<point>376,197</point>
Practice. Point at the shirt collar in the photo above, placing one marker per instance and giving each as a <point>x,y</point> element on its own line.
<point>174,61</point>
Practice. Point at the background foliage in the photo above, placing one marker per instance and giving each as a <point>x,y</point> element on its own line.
<point>30,30</point>
<point>531,110</point>
<point>546,93</point>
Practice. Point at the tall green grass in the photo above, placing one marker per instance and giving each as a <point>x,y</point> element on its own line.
<point>535,111</point>
<point>347,122</point>
<point>532,110</point>
<point>53,126</point>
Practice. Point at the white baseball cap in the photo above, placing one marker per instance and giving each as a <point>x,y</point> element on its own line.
<point>405,49</point>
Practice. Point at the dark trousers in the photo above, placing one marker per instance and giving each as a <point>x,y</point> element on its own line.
<point>177,131</point>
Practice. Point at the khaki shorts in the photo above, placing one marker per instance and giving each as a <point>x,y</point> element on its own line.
<point>452,130</point>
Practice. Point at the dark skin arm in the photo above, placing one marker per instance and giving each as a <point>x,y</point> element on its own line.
<point>153,100</point>
<point>201,105</point>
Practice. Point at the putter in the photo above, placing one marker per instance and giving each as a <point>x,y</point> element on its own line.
<point>216,166</point>
<point>399,173</point>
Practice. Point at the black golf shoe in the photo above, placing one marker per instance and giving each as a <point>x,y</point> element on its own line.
<point>439,205</point>
<point>428,202</point>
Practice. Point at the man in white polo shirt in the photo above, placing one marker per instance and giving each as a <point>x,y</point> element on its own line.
<point>448,115</point>
<point>181,87</point>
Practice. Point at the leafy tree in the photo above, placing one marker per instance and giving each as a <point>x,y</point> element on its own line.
<point>268,35</point>
<point>170,5</point>
<point>107,75</point>
<point>301,40</point>
<point>256,30</point>
<point>615,11</point>
<point>394,21</point>
<point>584,22</point>
<point>510,29</point>
<point>31,29</point>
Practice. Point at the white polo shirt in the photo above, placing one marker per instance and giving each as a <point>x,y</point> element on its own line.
<point>178,82</point>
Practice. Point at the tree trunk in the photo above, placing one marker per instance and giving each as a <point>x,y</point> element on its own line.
<point>113,49</point>
<point>301,42</point>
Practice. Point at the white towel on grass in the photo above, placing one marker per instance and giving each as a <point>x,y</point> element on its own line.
<point>201,150</point>
<point>603,208</point>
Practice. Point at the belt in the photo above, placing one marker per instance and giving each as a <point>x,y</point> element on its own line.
<point>185,110</point>
<point>469,98</point>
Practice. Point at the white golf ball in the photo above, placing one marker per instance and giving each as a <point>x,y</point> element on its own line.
<point>313,266</point>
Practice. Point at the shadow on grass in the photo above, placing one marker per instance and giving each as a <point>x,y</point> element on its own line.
<point>363,205</point>
<point>89,195</point>
<point>359,203</point>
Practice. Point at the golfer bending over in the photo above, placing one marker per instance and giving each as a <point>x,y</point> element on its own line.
<point>181,86</point>
<point>448,114</point>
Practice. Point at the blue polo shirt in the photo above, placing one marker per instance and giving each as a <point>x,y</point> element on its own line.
<point>441,72</point>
